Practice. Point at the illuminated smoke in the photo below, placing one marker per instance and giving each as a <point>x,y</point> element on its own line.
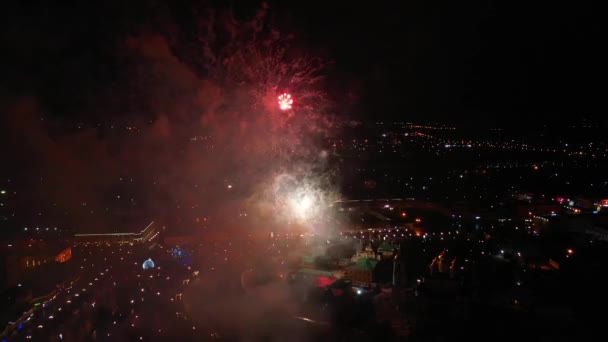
<point>275,137</point>
<point>209,132</point>
<point>211,145</point>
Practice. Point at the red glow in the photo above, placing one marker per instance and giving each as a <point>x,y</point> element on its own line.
<point>64,256</point>
<point>323,281</point>
<point>337,292</point>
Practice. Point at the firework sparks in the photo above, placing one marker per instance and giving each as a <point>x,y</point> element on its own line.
<point>302,204</point>
<point>302,199</point>
<point>285,101</point>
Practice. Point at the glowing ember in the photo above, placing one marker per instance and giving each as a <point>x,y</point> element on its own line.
<point>285,101</point>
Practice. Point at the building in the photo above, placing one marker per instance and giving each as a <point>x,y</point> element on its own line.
<point>25,262</point>
<point>362,272</point>
<point>147,235</point>
<point>64,256</point>
<point>386,250</point>
<point>367,253</point>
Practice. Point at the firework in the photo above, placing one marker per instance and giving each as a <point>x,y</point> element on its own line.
<point>257,60</point>
<point>302,198</point>
<point>254,77</point>
<point>285,101</point>
<point>302,204</point>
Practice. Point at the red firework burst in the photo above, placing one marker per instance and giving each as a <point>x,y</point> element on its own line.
<point>285,101</point>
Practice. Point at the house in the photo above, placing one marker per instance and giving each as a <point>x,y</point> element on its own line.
<point>368,253</point>
<point>362,272</point>
<point>386,250</point>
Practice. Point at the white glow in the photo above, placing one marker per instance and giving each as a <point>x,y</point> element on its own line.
<point>301,198</point>
<point>301,205</point>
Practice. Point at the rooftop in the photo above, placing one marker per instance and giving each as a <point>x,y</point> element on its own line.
<point>364,264</point>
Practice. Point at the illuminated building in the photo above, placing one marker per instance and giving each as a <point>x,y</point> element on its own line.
<point>368,253</point>
<point>147,235</point>
<point>362,272</point>
<point>64,256</point>
<point>386,250</point>
<point>28,260</point>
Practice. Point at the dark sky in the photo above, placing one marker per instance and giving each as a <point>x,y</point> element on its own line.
<point>472,60</point>
<point>490,61</point>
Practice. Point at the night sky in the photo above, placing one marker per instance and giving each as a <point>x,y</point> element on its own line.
<point>489,61</point>
<point>462,61</point>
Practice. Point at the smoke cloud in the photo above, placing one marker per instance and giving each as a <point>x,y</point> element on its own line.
<point>199,140</point>
<point>187,131</point>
